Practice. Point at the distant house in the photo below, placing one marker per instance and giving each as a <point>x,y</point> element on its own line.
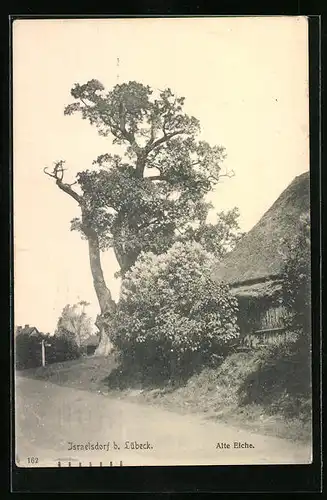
<point>27,330</point>
<point>254,268</point>
<point>28,347</point>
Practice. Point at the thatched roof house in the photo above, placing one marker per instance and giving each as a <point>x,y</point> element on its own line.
<point>253,269</point>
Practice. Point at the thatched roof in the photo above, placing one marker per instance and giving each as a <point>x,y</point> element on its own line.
<point>258,255</point>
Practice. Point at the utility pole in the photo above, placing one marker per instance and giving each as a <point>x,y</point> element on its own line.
<point>43,352</point>
<point>43,344</point>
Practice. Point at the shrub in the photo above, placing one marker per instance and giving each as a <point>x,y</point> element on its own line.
<point>61,349</point>
<point>171,316</point>
<point>297,278</point>
<point>28,351</point>
<point>282,378</point>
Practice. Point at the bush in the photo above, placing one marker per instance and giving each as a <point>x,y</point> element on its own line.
<point>282,378</point>
<point>297,277</point>
<point>28,351</point>
<point>62,349</point>
<point>171,316</point>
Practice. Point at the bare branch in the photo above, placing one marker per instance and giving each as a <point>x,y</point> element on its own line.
<point>228,174</point>
<point>58,174</point>
<point>47,173</point>
<point>68,190</point>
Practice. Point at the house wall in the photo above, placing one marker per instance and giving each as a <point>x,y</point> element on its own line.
<point>260,313</point>
<point>273,317</point>
<point>268,338</point>
<point>264,313</point>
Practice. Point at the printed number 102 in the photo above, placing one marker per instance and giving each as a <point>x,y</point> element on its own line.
<point>32,460</point>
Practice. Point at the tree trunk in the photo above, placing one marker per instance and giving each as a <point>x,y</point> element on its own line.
<point>125,260</point>
<point>106,302</point>
<point>105,345</point>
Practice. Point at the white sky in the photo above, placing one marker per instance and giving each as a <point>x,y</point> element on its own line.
<point>245,79</point>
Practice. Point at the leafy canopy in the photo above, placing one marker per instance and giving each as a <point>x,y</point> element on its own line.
<point>154,191</point>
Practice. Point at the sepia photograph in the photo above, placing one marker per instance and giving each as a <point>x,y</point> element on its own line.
<point>162,250</point>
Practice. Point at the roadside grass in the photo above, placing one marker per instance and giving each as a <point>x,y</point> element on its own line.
<point>214,396</point>
<point>86,373</point>
<point>238,391</point>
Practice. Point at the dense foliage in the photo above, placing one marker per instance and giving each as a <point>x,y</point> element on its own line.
<point>149,189</point>
<point>28,350</point>
<point>297,277</point>
<point>154,191</point>
<point>74,324</point>
<point>171,315</point>
<point>281,379</point>
<point>62,349</point>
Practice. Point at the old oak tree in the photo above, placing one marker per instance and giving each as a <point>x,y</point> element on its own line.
<point>151,194</point>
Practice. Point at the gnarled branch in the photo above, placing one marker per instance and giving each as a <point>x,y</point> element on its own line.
<point>58,174</point>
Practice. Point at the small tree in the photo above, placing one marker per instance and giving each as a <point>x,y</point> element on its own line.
<point>74,324</point>
<point>171,315</point>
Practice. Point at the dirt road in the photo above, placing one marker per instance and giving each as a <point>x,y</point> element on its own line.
<point>60,424</point>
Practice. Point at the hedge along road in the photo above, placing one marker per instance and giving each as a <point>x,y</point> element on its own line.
<point>60,424</point>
